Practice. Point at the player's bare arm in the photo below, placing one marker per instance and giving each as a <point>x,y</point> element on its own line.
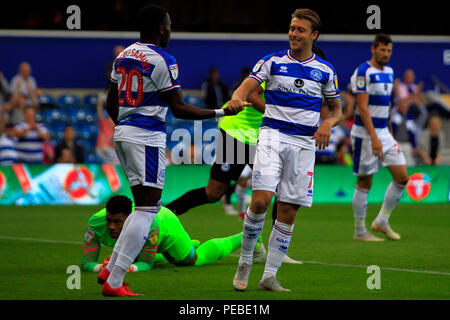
<point>241,94</point>
<point>112,102</point>
<point>255,99</point>
<point>184,110</point>
<point>323,133</point>
<point>362,101</point>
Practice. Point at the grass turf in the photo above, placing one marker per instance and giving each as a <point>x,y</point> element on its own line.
<point>417,267</point>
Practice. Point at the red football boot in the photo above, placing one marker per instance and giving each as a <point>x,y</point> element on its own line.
<point>103,276</point>
<point>122,291</point>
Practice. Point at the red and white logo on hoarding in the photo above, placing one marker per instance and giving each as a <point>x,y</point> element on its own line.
<point>419,186</point>
<point>2,183</point>
<point>78,182</point>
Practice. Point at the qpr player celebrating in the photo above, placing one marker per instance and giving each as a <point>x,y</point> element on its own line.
<point>144,83</point>
<point>373,144</point>
<point>296,81</point>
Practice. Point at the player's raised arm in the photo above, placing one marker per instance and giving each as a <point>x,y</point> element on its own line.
<point>362,101</point>
<point>255,99</point>
<point>183,110</point>
<point>112,102</point>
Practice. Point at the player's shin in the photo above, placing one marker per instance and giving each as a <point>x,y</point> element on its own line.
<point>360,210</point>
<point>279,241</point>
<point>134,238</point>
<point>216,249</point>
<point>253,226</point>
<point>391,198</point>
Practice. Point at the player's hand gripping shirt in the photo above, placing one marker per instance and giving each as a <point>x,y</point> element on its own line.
<point>378,85</point>
<point>142,72</point>
<point>294,92</point>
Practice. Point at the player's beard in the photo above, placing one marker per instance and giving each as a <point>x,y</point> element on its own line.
<point>382,62</point>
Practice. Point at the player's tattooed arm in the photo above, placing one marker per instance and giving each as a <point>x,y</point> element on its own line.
<point>112,102</point>
<point>323,133</point>
<point>335,107</point>
<point>255,99</point>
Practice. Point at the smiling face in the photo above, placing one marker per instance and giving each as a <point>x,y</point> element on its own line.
<point>301,35</point>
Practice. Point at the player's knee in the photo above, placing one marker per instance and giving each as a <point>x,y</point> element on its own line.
<point>364,183</point>
<point>259,204</point>
<point>214,195</point>
<point>402,180</point>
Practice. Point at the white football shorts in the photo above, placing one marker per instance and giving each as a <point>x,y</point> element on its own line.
<point>145,165</point>
<point>366,163</point>
<point>285,169</point>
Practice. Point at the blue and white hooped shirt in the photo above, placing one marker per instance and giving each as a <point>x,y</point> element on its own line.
<point>294,93</point>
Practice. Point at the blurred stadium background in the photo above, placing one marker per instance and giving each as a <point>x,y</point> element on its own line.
<point>71,70</point>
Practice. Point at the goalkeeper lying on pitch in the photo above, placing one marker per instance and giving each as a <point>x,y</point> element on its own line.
<point>167,240</point>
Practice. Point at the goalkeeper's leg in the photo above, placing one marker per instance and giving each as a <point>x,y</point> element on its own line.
<point>216,249</point>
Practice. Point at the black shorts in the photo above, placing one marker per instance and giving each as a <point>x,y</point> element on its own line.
<point>231,158</point>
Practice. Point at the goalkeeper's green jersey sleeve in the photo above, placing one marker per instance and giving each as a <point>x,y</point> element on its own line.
<point>97,234</point>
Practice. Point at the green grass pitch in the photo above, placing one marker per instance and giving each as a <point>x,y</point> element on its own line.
<point>37,244</point>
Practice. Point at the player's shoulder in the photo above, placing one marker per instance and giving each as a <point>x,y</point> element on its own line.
<point>162,54</point>
<point>363,67</point>
<point>276,54</point>
<point>165,212</point>
<point>388,69</point>
<point>323,63</point>
<point>98,218</point>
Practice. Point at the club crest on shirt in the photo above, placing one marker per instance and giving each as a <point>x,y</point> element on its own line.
<point>361,82</point>
<point>174,71</point>
<point>316,74</point>
<point>258,65</point>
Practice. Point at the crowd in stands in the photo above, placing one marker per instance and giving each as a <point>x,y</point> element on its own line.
<point>36,127</point>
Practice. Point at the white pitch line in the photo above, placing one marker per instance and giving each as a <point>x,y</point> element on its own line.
<point>41,240</point>
<point>235,255</point>
<point>365,267</point>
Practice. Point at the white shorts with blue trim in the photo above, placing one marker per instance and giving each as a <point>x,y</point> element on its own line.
<point>143,165</point>
<point>286,170</point>
<point>365,163</point>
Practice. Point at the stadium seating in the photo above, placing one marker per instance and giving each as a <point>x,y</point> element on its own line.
<point>80,111</point>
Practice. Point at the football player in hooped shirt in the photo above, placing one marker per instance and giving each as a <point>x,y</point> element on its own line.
<point>144,83</point>
<point>373,144</point>
<point>296,81</point>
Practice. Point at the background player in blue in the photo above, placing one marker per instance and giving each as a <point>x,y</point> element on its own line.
<point>296,82</point>
<point>144,82</point>
<point>373,144</point>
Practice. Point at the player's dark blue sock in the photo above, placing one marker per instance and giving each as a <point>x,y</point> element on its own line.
<point>187,201</point>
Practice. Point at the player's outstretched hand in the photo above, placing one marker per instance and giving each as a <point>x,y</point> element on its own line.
<point>322,135</point>
<point>377,148</point>
<point>235,106</point>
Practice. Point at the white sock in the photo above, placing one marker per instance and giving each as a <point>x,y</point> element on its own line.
<point>115,279</point>
<point>279,241</point>
<point>132,240</point>
<point>360,210</point>
<point>115,253</point>
<point>391,198</point>
<point>253,226</point>
<point>242,197</point>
